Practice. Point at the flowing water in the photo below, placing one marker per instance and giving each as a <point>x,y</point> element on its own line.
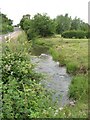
<point>56,79</point>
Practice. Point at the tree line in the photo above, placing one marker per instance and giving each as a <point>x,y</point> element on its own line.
<point>42,25</point>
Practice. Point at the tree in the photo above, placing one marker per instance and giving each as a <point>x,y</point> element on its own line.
<point>63,23</point>
<point>43,25</point>
<point>84,26</point>
<point>75,24</point>
<point>39,25</point>
<point>25,22</point>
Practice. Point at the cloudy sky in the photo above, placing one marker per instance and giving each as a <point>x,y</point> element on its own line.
<point>15,9</point>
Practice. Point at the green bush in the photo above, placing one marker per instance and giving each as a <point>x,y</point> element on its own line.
<point>10,28</point>
<point>74,34</point>
<point>31,34</point>
<point>88,34</point>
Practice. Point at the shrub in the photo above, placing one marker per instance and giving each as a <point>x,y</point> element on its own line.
<point>10,28</point>
<point>31,34</point>
<point>73,33</point>
<point>88,34</point>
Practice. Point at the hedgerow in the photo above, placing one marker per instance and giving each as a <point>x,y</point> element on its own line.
<point>74,34</point>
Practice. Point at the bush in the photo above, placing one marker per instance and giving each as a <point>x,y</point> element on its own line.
<point>88,34</point>
<point>10,28</point>
<point>74,34</point>
<point>31,34</point>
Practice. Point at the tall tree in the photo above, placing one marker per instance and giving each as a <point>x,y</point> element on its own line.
<point>75,24</point>
<point>63,23</point>
<point>25,22</point>
<point>43,25</point>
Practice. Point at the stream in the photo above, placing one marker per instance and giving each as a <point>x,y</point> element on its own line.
<point>56,79</point>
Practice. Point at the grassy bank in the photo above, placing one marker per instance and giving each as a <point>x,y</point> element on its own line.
<point>73,53</point>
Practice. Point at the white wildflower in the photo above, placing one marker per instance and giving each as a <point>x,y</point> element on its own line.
<point>61,108</point>
<point>49,107</point>
<point>12,73</point>
<point>56,112</point>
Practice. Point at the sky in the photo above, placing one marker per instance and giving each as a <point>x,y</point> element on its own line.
<point>15,9</point>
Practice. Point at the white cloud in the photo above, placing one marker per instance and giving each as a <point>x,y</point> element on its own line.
<point>16,8</point>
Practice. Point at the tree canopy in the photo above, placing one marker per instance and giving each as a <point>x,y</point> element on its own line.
<point>63,23</point>
<point>42,25</point>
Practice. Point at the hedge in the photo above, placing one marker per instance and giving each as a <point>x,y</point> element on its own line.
<point>88,34</point>
<point>75,34</point>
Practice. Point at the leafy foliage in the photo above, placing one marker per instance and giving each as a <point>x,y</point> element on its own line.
<point>75,24</point>
<point>63,23</point>
<point>5,24</point>
<point>39,25</point>
<point>43,26</point>
<point>25,22</point>
<point>66,23</point>
<point>88,34</point>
